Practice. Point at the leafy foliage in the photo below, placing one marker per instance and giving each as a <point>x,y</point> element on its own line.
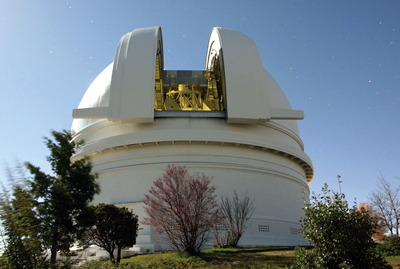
<point>23,248</point>
<point>62,201</point>
<point>236,212</point>
<point>182,208</point>
<point>114,228</point>
<point>305,259</point>
<point>390,246</point>
<point>342,235</point>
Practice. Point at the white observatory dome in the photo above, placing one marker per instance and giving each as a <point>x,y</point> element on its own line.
<point>231,121</point>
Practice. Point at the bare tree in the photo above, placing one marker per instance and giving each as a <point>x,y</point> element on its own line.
<point>386,200</point>
<point>236,211</point>
<point>377,219</point>
<point>182,208</point>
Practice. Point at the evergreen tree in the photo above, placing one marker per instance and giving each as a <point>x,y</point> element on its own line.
<point>23,248</point>
<point>62,200</point>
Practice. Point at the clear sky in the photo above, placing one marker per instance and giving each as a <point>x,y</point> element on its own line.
<point>339,61</point>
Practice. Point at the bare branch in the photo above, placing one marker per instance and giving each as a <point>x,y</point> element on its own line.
<point>182,208</point>
<point>386,200</point>
<point>237,211</point>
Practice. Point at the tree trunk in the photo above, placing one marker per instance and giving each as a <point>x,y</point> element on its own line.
<point>119,255</point>
<point>54,248</point>
<point>111,253</point>
<point>53,254</point>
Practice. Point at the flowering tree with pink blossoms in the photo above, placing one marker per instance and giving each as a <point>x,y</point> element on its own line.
<point>182,208</point>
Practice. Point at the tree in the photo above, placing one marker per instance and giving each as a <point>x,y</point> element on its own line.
<point>182,208</point>
<point>341,235</point>
<point>376,217</point>
<point>236,212</point>
<point>23,248</point>
<point>114,228</point>
<point>62,200</point>
<point>386,200</point>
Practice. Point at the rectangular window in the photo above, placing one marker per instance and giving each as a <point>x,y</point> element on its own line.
<point>294,230</point>
<point>221,227</point>
<point>263,228</point>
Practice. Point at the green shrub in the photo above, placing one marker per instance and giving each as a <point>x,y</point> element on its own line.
<point>341,235</point>
<point>304,259</point>
<point>390,246</point>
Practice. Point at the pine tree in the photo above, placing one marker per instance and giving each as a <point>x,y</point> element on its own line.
<point>62,200</point>
<point>23,248</point>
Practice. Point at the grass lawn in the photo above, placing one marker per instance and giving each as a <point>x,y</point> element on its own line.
<point>261,257</point>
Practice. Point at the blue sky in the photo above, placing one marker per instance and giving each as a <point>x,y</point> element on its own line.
<point>339,61</point>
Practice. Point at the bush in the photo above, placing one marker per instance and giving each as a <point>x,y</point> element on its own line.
<point>341,235</point>
<point>305,259</point>
<point>390,246</point>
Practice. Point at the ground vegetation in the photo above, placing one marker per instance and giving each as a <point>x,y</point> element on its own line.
<point>390,246</point>
<point>239,257</point>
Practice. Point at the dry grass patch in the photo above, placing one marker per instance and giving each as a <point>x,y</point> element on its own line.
<point>262,257</point>
<point>394,261</point>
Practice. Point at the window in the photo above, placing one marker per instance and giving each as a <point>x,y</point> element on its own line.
<point>221,227</point>
<point>294,230</point>
<point>263,228</point>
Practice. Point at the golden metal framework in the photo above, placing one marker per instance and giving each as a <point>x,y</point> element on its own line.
<point>188,90</point>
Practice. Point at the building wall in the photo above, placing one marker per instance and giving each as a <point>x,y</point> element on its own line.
<point>129,157</point>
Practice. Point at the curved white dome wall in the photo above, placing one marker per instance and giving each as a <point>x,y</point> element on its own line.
<point>256,146</point>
